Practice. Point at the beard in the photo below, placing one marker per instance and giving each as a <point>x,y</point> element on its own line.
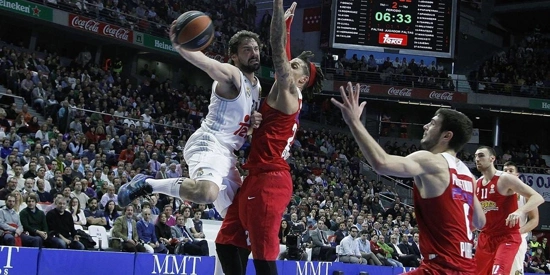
<point>427,144</point>
<point>249,68</point>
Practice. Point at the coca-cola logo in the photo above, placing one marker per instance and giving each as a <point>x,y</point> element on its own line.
<point>406,92</point>
<point>94,26</point>
<point>116,32</point>
<point>85,24</point>
<point>448,96</point>
<point>215,56</point>
<point>363,88</point>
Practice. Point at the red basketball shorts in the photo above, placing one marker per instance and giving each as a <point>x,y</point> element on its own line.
<point>495,254</point>
<point>254,218</point>
<point>433,268</point>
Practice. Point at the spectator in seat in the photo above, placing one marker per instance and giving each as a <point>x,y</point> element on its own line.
<point>94,216</point>
<point>12,227</point>
<point>78,194</point>
<point>364,247</point>
<point>164,233</point>
<point>341,232</point>
<point>404,251</point>
<point>186,243</point>
<point>43,195</point>
<point>284,230</point>
<point>349,249</point>
<point>321,248</point>
<point>34,219</point>
<point>111,214</point>
<point>60,223</point>
<point>109,196</point>
<point>198,224</point>
<point>125,228</point>
<point>78,214</point>
<point>146,233</point>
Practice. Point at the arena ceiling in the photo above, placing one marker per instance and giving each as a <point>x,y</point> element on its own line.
<point>530,13</point>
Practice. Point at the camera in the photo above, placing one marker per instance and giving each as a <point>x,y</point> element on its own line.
<point>294,247</point>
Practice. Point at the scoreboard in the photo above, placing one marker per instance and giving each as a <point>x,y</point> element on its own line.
<point>417,27</point>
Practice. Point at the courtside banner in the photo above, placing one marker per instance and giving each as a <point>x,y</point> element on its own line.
<point>66,261</point>
<point>173,264</point>
<point>325,268</point>
<point>404,93</point>
<point>539,182</point>
<point>18,260</point>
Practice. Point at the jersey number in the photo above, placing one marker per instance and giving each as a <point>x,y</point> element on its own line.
<point>484,192</point>
<point>468,230</point>
<point>286,152</point>
<point>495,269</point>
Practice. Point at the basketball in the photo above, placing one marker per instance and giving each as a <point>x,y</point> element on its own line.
<point>194,31</point>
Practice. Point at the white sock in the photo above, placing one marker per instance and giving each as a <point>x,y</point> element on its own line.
<point>170,187</point>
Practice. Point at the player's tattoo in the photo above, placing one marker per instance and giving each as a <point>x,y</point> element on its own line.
<point>278,42</point>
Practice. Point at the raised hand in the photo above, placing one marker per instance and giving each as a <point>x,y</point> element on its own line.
<point>350,107</point>
<point>290,11</point>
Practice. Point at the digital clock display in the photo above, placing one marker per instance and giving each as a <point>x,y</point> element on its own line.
<point>418,27</point>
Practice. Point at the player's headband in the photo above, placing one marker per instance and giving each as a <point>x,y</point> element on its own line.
<point>312,74</point>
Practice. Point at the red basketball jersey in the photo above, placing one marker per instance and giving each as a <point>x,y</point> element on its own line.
<point>272,141</point>
<point>497,207</point>
<point>445,222</point>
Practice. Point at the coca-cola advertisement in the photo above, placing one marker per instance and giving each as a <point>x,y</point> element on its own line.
<point>101,28</point>
<point>407,92</point>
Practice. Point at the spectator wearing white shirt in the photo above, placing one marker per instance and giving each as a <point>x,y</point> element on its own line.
<point>349,249</point>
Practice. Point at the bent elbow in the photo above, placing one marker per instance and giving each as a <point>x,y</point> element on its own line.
<point>479,223</point>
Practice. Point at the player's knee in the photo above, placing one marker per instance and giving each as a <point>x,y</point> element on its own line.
<point>207,191</point>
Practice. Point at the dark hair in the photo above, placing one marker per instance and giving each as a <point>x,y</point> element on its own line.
<point>317,86</point>
<point>459,124</point>
<point>237,39</point>
<point>489,148</point>
<point>32,196</point>
<point>510,163</point>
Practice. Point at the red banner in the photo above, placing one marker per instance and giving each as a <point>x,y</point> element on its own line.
<point>97,27</point>
<point>407,93</point>
<point>312,20</point>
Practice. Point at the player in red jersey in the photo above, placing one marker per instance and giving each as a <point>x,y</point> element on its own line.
<point>445,205</point>
<point>253,220</point>
<point>500,238</point>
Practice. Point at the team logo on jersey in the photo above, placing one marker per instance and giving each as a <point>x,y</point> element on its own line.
<point>247,91</point>
<point>492,191</point>
<point>489,206</point>
<point>200,172</point>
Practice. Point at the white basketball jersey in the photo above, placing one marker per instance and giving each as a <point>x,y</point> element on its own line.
<point>523,219</point>
<point>229,119</point>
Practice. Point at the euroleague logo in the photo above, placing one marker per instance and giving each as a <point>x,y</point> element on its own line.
<point>392,39</point>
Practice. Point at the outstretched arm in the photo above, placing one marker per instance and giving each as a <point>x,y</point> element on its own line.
<point>278,47</point>
<point>221,72</point>
<point>415,164</point>
<point>289,16</point>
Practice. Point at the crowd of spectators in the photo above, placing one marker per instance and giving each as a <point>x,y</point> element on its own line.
<point>155,16</point>
<point>521,70</point>
<point>402,72</point>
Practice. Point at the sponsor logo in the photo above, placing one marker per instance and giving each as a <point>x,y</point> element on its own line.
<point>363,88</point>
<point>440,95</point>
<point>100,28</point>
<point>405,92</point>
<point>489,206</point>
<point>392,39</point>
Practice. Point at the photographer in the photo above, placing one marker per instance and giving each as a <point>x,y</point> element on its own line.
<point>295,250</point>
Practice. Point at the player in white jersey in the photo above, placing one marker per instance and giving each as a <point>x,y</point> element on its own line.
<point>232,114</point>
<point>527,223</point>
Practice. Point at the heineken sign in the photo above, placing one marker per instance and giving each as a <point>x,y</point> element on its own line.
<point>27,8</point>
<point>165,45</point>
<point>537,104</point>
